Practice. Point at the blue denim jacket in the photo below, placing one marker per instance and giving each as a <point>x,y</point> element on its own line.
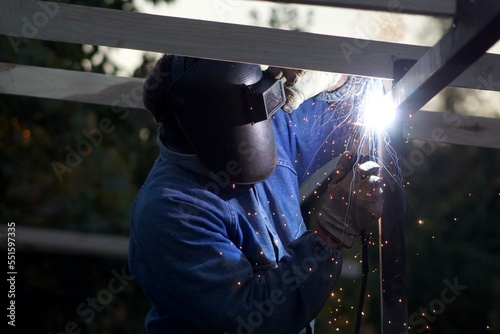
<point>214,257</point>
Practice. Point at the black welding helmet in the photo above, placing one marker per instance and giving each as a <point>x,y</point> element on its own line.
<point>223,108</point>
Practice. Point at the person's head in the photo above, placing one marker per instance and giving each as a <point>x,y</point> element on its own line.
<point>218,110</point>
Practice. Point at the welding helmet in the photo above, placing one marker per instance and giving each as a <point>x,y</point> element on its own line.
<point>223,108</point>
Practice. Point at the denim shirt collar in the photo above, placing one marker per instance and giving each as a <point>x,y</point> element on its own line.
<point>188,161</point>
<point>340,92</point>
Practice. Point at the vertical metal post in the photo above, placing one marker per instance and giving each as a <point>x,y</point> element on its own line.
<point>394,306</point>
<point>476,28</point>
<point>394,309</point>
<point>392,244</point>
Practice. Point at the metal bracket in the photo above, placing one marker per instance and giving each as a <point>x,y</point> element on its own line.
<point>476,28</point>
<point>400,68</point>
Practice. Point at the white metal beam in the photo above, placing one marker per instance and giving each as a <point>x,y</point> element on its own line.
<point>116,91</point>
<point>67,242</point>
<point>213,40</point>
<point>452,128</point>
<point>72,86</point>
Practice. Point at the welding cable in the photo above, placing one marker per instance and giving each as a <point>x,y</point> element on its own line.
<point>364,265</point>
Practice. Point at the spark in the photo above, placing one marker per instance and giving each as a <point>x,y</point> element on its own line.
<point>26,133</point>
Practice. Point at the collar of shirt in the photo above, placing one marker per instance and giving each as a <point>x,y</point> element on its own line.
<point>188,161</point>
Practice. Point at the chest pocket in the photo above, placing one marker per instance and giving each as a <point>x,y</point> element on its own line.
<point>258,246</point>
<point>257,236</point>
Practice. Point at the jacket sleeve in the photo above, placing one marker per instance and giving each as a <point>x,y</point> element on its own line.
<point>190,269</point>
<point>321,127</point>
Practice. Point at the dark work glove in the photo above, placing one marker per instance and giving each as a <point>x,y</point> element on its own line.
<point>354,200</point>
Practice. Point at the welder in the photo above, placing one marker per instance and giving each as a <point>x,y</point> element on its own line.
<point>217,239</point>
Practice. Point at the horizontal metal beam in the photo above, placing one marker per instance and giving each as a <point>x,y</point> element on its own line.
<point>124,92</point>
<point>213,40</point>
<point>476,29</point>
<point>443,8</point>
<point>453,128</point>
<point>63,241</point>
<point>72,86</point>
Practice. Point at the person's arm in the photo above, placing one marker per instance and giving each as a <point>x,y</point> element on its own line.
<point>322,126</point>
<point>187,263</point>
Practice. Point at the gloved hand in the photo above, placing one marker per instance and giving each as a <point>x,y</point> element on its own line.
<point>301,85</point>
<point>354,200</point>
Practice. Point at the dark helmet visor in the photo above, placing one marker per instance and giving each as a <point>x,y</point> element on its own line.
<point>223,109</point>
